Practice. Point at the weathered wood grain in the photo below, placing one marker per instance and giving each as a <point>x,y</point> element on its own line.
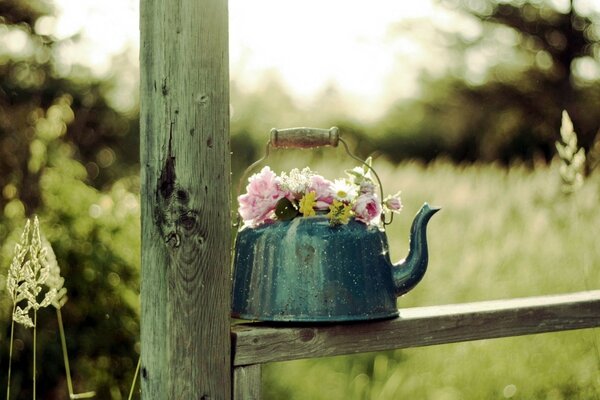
<point>185,285</point>
<point>423,326</point>
<point>246,382</point>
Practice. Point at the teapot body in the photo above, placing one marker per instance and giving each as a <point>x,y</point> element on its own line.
<point>305,270</point>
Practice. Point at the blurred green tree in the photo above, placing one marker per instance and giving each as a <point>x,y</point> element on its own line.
<point>105,141</point>
<point>68,156</point>
<point>538,60</point>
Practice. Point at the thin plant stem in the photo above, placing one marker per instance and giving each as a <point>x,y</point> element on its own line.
<point>85,395</point>
<point>63,342</point>
<point>34,347</point>
<point>135,375</point>
<point>12,332</point>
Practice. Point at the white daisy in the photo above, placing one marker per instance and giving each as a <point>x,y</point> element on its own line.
<point>343,190</point>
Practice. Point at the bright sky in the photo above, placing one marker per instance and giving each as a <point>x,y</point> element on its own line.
<point>310,44</point>
<point>314,42</point>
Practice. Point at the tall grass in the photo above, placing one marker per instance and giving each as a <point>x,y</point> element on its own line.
<point>502,233</point>
<point>34,274</point>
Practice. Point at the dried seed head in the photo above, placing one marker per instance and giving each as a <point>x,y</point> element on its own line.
<point>31,271</point>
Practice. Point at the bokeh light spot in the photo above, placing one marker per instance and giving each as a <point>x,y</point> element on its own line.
<point>509,391</point>
<point>114,279</point>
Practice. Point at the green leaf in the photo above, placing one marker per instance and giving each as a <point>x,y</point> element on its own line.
<point>355,174</point>
<point>286,210</point>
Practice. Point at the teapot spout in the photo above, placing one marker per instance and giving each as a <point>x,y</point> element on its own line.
<point>408,272</point>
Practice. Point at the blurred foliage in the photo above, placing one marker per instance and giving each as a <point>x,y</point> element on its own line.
<point>104,140</point>
<point>95,236</point>
<point>502,233</point>
<point>536,61</point>
<point>69,157</point>
<point>558,45</point>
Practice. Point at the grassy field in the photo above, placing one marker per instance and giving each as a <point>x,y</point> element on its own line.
<point>502,233</point>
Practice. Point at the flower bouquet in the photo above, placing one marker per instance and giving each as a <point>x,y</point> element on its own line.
<point>303,193</point>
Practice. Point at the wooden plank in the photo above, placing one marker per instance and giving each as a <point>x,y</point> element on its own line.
<point>246,382</point>
<point>186,252</point>
<point>422,326</point>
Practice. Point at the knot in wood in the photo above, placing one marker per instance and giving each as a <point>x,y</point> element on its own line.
<point>189,220</point>
<point>203,99</point>
<point>306,335</point>
<point>173,239</point>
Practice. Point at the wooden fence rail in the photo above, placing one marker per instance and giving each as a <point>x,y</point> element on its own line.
<point>254,344</point>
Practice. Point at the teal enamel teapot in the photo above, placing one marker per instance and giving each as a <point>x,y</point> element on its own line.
<point>306,269</point>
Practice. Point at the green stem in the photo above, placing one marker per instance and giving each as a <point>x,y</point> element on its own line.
<point>86,395</point>
<point>34,347</point>
<point>12,331</point>
<point>63,343</point>
<point>135,375</point>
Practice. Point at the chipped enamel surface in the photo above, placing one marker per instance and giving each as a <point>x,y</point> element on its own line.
<point>305,270</point>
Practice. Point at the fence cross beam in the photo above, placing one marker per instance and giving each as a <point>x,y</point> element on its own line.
<point>419,326</point>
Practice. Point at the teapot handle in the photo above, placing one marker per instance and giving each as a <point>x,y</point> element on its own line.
<point>304,138</point>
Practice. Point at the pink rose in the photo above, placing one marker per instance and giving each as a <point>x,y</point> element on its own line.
<point>322,188</point>
<point>393,203</point>
<point>367,208</point>
<point>262,194</point>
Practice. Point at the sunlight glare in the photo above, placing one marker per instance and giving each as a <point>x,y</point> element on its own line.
<point>314,44</point>
<point>310,46</point>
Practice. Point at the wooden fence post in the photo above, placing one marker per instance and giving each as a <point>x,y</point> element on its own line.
<point>185,176</point>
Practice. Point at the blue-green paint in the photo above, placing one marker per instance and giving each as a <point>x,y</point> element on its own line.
<point>305,270</point>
